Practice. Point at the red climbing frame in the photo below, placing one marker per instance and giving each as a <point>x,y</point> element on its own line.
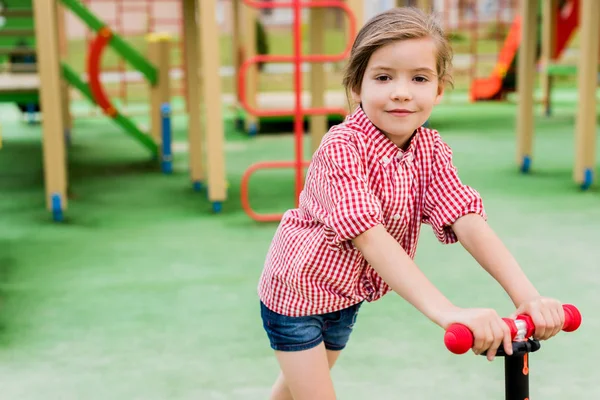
<point>95,52</point>
<point>298,112</point>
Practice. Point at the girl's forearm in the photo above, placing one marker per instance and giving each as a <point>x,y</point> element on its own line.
<point>399,271</point>
<point>487,249</point>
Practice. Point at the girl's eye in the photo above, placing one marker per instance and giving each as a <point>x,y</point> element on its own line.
<point>382,78</point>
<point>420,79</point>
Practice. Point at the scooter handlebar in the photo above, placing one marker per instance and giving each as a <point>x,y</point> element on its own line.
<point>459,339</point>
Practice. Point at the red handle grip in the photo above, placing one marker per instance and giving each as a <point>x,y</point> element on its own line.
<point>459,338</point>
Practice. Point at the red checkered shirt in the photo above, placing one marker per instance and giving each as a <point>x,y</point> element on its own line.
<point>357,179</point>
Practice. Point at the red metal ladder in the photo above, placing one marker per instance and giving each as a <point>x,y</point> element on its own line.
<point>298,112</point>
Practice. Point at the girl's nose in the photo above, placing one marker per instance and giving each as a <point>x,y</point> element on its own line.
<point>401,92</point>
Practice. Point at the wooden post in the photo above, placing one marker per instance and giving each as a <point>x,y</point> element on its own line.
<point>236,42</point>
<point>191,50</point>
<point>525,80</point>
<point>318,123</point>
<point>160,93</point>
<point>549,10</point>
<point>65,97</point>
<point>425,5</point>
<point>358,9</point>
<point>585,137</point>
<point>46,32</point>
<point>64,52</point>
<point>63,42</point>
<point>213,113</point>
<point>250,15</point>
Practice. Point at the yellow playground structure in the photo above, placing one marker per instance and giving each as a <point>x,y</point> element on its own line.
<point>44,84</point>
<point>40,80</point>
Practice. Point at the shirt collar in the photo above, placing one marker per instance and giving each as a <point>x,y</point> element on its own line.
<point>386,149</point>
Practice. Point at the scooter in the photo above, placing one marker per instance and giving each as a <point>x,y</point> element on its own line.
<point>459,339</point>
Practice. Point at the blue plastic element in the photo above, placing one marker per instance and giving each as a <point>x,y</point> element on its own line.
<point>426,124</point>
<point>31,113</point>
<point>217,206</point>
<point>57,212</point>
<point>167,153</point>
<point>588,177</point>
<point>526,164</point>
<point>253,129</point>
<point>197,186</point>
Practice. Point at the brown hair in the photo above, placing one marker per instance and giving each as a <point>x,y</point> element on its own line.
<point>395,24</point>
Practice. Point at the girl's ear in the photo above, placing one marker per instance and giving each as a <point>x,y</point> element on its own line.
<point>440,94</point>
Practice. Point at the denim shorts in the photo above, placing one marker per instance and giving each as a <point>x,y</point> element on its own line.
<point>302,333</point>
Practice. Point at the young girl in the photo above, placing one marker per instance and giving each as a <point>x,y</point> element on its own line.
<point>373,181</point>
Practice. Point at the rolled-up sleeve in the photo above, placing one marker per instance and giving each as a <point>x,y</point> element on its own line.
<point>447,198</point>
<point>339,194</point>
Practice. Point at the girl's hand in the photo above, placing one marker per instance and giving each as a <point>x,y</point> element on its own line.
<point>547,315</point>
<point>489,330</point>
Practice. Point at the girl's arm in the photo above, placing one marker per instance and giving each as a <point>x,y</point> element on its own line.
<point>479,239</point>
<point>400,272</point>
<point>487,249</point>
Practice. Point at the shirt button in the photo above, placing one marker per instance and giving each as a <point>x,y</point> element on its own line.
<point>396,217</point>
<point>385,160</point>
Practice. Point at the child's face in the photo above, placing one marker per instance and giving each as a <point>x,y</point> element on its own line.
<point>400,87</point>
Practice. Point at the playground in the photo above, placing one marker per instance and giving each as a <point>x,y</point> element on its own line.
<point>133,231</point>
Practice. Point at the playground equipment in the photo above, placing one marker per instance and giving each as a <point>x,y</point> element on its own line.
<point>585,136</point>
<point>299,110</point>
<point>18,75</point>
<point>46,89</point>
<point>296,105</point>
<point>244,36</point>
<point>139,18</point>
<point>459,339</point>
<point>496,85</point>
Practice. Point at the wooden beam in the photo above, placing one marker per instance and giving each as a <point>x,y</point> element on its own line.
<point>213,113</point>
<point>525,81</point>
<point>249,18</point>
<point>22,67</point>
<point>55,173</point>
<point>358,9</point>
<point>159,46</point>
<point>425,5</point>
<point>16,13</point>
<point>5,51</point>
<point>192,79</point>
<point>585,136</point>
<point>549,12</point>
<point>63,46</point>
<point>237,43</point>
<point>20,32</point>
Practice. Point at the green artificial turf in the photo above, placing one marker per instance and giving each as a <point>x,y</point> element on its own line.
<point>144,293</point>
